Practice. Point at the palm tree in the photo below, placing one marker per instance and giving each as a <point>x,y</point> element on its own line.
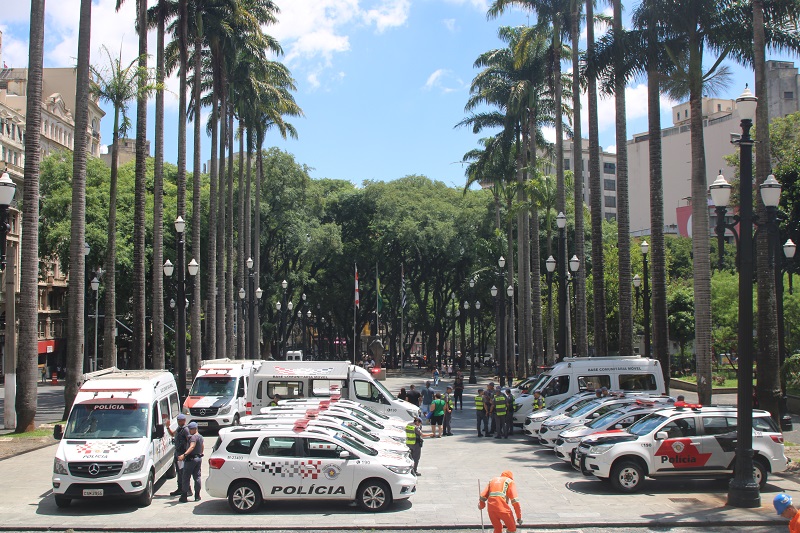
<point>77,286</point>
<point>543,195</point>
<point>116,84</point>
<point>197,37</point>
<point>28,354</point>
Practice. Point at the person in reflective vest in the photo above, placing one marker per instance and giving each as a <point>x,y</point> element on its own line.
<point>496,496</point>
<point>480,411</point>
<point>414,441</point>
<point>500,410</point>
<point>538,400</point>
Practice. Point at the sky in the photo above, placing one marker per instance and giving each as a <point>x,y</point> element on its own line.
<point>382,83</point>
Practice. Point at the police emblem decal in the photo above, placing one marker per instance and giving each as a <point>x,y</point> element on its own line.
<point>678,447</point>
<point>331,471</point>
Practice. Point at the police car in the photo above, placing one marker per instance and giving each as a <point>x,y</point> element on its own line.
<point>249,466</point>
<point>685,440</point>
<point>363,422</point>
<point>336,401</point>
<point>613,421</point>
<point>534,421</point>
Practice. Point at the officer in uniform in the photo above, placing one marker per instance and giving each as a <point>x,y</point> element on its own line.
<point>193,461</point>
<point>414,442</point>
<point>480,412</point>
<point>497,495</point>
<point>538,400</point>
<point>488,402</point>
<point>181,438</point>
<point>449,405</point>
<point>500,411</point>
<point>509,413</point>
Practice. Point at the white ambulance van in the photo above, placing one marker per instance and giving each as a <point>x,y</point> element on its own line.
<point>322,379</point>
<point>578,374</point>
<point>114,444</point>
<point>218,397</point>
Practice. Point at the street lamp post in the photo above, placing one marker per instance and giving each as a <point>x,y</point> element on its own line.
<point>646,295</point>
<point>472,378</point>
<point>303,324</point>
<point>510,342</point>
<point>7,191</point>
<point>743,490</point>
<point>96,289</point>
<point>502,333</point>
<point>561,222</point>
<point>550,267</point>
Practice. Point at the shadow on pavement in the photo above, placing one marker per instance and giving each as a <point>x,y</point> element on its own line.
<point>87,507</point>
<point>219,506</point>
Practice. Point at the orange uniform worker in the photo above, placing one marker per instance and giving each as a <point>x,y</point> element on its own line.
<point>498,494</point>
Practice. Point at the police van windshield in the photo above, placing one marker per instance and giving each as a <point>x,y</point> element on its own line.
<point>537,383</point>
<point>378,385</point>
<point>357,445</point>
<point>646,424</point>
<point>213,386</point>
<point>107,420</point>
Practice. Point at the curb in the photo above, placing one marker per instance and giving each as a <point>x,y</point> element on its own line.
<point>36,448</point>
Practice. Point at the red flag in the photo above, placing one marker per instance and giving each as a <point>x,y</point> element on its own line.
<point>357,286</point>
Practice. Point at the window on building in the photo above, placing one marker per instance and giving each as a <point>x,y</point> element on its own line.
<point>686,113</point>
<point>609,185</point>
<point>611,201</point>
<point>678,117</point>
<point>566,163</point>
<point>611,217</point>
<point>609,168</point>
<point>788,95</point>
<point>719,107</point>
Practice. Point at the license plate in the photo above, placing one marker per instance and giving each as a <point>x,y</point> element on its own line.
<point>92,492</point>
<point>202,423</point>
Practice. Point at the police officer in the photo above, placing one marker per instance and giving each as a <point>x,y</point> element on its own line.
<point>181,439</point>
<point>480,412</point>
<point>414,442</point>
<point>449,405</point>
<point>275,400</point>
<point>500,411</point>
<point>193,461</point>
<point>509,413</point>
<point>538,400</point>
<point>488,402</point>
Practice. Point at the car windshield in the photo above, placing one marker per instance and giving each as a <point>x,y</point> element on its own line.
<point>582,411</point>
<point>363,418</point>
<point>356,445</point>
<point>107,421</point>
<point>607,419</point>
<point>539,383</point>
<point>372,411</point>
<point>581,403</point>
<point>213,386</point>
<point>646,424</point>
<point>378,385</point>
<point>358,431</point>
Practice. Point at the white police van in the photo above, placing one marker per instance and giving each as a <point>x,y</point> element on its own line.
<point>114,444</point>
<point>218,397</point>
<point>248,466</point>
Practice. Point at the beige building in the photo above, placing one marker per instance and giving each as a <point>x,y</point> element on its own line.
<point>608,176</point>
<point>127,152</point>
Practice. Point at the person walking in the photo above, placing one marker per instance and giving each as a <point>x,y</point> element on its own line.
<point>427,398</point>
<point>437,408</point>
<point>403,395</point>
<point>448,411</point>
<point>458,390</point>
<point>480,413</point>
<point>193,461</point>
<point>500,411</point>
<point>509,413</point>
<point>783,504</point>
<point>497,495</point>
<point>435,376</point>
<point>180,437</point>
<point>414,442</point>
<point>413,397</point>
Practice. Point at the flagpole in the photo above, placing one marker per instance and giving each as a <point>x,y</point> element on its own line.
<point>355,319</point>
<point>402,317</point>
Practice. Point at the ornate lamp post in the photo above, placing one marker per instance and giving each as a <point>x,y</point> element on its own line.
<point>472,378</point>
<point>502,330</point>
<point>561,222</point>
<point>646,295</point>
<point>511,352</point>
<point>96,288</point>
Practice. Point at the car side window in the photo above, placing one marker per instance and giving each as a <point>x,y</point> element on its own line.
<point>175,405</point>
<point>164,405</point>
<point>240,390</point>
<point>321,449</point>
<point>681,427</point>
<point>365,391</point>
<point>593,382</point>
<point>278,447</point>
<point>241,446</point>
<point>717,425</point>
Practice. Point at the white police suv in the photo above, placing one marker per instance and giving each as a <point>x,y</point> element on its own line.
<point>249,466</point>
<point>534,421</point>
<point>684,440</point>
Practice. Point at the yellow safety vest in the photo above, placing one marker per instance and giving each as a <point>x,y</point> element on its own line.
<point>500,404</point>
<point>411,434</point>
<point>479,402</point>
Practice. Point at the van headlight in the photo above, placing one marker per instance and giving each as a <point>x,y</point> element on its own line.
<point>399,469</point>
<point>225,410</point>
<point>59,466</point>
<point>600,448</point>
<point>135,465</point>
<point>186,411</point>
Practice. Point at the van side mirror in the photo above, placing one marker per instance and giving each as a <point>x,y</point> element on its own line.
<point>344,454</point>
<point>158,432</point>
<point>662,435</point>
<point>58,432</point>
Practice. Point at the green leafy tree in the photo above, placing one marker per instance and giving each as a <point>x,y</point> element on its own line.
<point>681,320</point>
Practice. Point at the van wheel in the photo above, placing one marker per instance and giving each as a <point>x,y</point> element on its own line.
<point>760,473</point>
<point>627,476</point>
<point>147,496</point>
<point>244,497</point>
<point>236,419</point>
<point>374,496</point>
<point>62,502</point>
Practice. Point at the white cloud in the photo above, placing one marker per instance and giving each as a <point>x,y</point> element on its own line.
<point>389,14</point>
<point>549,133</point>
<point>444,80</point>
<point>15,51</point>
<point>450,24</point>
<point>611,149</point>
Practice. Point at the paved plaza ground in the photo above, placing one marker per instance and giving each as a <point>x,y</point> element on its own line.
<point>553,496</point>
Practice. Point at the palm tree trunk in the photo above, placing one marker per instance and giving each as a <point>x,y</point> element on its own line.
<point>561,194</point>
<point>248,207</point>
<point>581,322</point>
<point>241,224</point>
<point>769,356</point>
<point>139,252</point>
<point>197,208</point>
<point>257,354</point>
<point>511,345</point>
<point>623,216</point>
<point>77,285</point>
<point>596,201</point>
<point>221,233</point>
<point>158,202</point>
<point>211,284</point>
<point>700,237</point>
<point>550,355</point>
<point>180,179</point>
<point>230,348</point>
<point>28,353</point>
<point>534,270</point>
<point>110,282</point>
<point>521,249</point>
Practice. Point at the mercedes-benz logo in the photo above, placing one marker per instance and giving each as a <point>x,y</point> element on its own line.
<point>202,412</point>
<point>94,469</point>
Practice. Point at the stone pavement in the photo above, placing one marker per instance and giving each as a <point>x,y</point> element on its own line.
<point>552,494</point>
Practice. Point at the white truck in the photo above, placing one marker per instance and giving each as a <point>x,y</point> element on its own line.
<point>218,397</point>
<point>277,380</point>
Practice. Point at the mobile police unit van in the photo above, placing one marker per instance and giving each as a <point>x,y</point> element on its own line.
<point>248,466</point>
<point>317,379</point>
<point>218,397</point>
<point>577,374</point>
<point>114,444</point>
